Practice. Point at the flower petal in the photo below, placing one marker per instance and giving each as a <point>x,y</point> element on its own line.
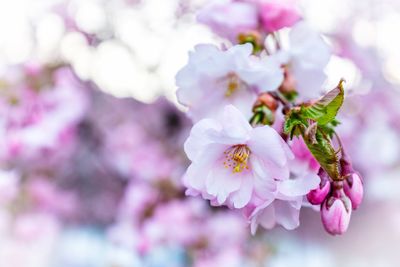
<point>286,215</point>
<point>264,215</point>
<point>195,176</point>
<point>221,182</point>
<point>200,137</point>
<point>300,186</point>
<point>267,217</point>
<point>241,197</point>
<point>266,74</point>
<point>266,143</point>
<point>234,124</point>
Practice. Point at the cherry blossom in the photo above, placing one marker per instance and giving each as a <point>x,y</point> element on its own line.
<point>214,78</point>
<point>306,67</point>
<point>231,161</point>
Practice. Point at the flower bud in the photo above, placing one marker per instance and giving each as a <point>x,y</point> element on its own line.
<point>267,100</point>
<point>252,37</point>
<point>336,213</point>
<point>288,85</point>
<point>354,189</point>
<point>318,195</point>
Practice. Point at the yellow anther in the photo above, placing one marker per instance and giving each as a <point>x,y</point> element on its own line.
<point>233,84</point>
<point>240,155</point>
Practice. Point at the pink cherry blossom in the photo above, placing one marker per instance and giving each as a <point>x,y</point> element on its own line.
<point>214,78</point>
<point>33,112</point>
<point>173,222</point>
<point>231,161</point>
<point>277,14</point>
<point>138,197</point>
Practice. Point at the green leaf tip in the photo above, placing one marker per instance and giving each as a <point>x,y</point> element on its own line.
<point>325,110</point>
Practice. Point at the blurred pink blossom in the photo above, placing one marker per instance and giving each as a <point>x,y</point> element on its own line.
<point>278,14</point>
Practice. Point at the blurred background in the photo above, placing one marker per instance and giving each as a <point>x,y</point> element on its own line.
<point>91,153</point>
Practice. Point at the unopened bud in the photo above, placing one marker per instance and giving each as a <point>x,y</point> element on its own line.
<point>252,37</point>
<point>289,83</point>
<point>318,195</point>
<point>354,189</point>
<point>266,99</point>
<point>336,213</point>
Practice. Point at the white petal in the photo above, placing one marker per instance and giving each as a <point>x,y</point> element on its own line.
<point>267,217</point>
<point>309,80</point>
<point>266,74</point>
<point>200,136</point>
<point>308,68</point>
<point>235,124</point>
<point>265,186</point>
<point>241,52</point>
<point>243,100</point>
<point>221,182</point>
<point>267,144</point>
<point>264,215</point>
<point>304,39</point>
<point>195,176</point>
<point>286,215</point>
<point>241,197</point>
<point>300,186</point>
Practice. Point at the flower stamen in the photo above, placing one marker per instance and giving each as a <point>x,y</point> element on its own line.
<point>237,157</point>
<point>233,84</point>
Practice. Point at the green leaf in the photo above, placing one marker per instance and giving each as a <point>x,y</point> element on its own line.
<point>323,151</point>
<point>262,115</point>
<point>325,110</point>
<point>329,128</point>
<point>292,124</point>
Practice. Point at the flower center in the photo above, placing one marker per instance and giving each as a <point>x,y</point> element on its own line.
<point>236,157</point>
<point>233,84</point>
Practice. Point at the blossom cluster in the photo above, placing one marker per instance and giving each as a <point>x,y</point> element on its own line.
<point>89,179</point>
<point>264,132</point>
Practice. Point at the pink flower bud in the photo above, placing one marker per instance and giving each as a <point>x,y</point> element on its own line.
<point>277,14</point>
<point>336,213</point>
<point>318,195</point>
<point>354,189</point>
